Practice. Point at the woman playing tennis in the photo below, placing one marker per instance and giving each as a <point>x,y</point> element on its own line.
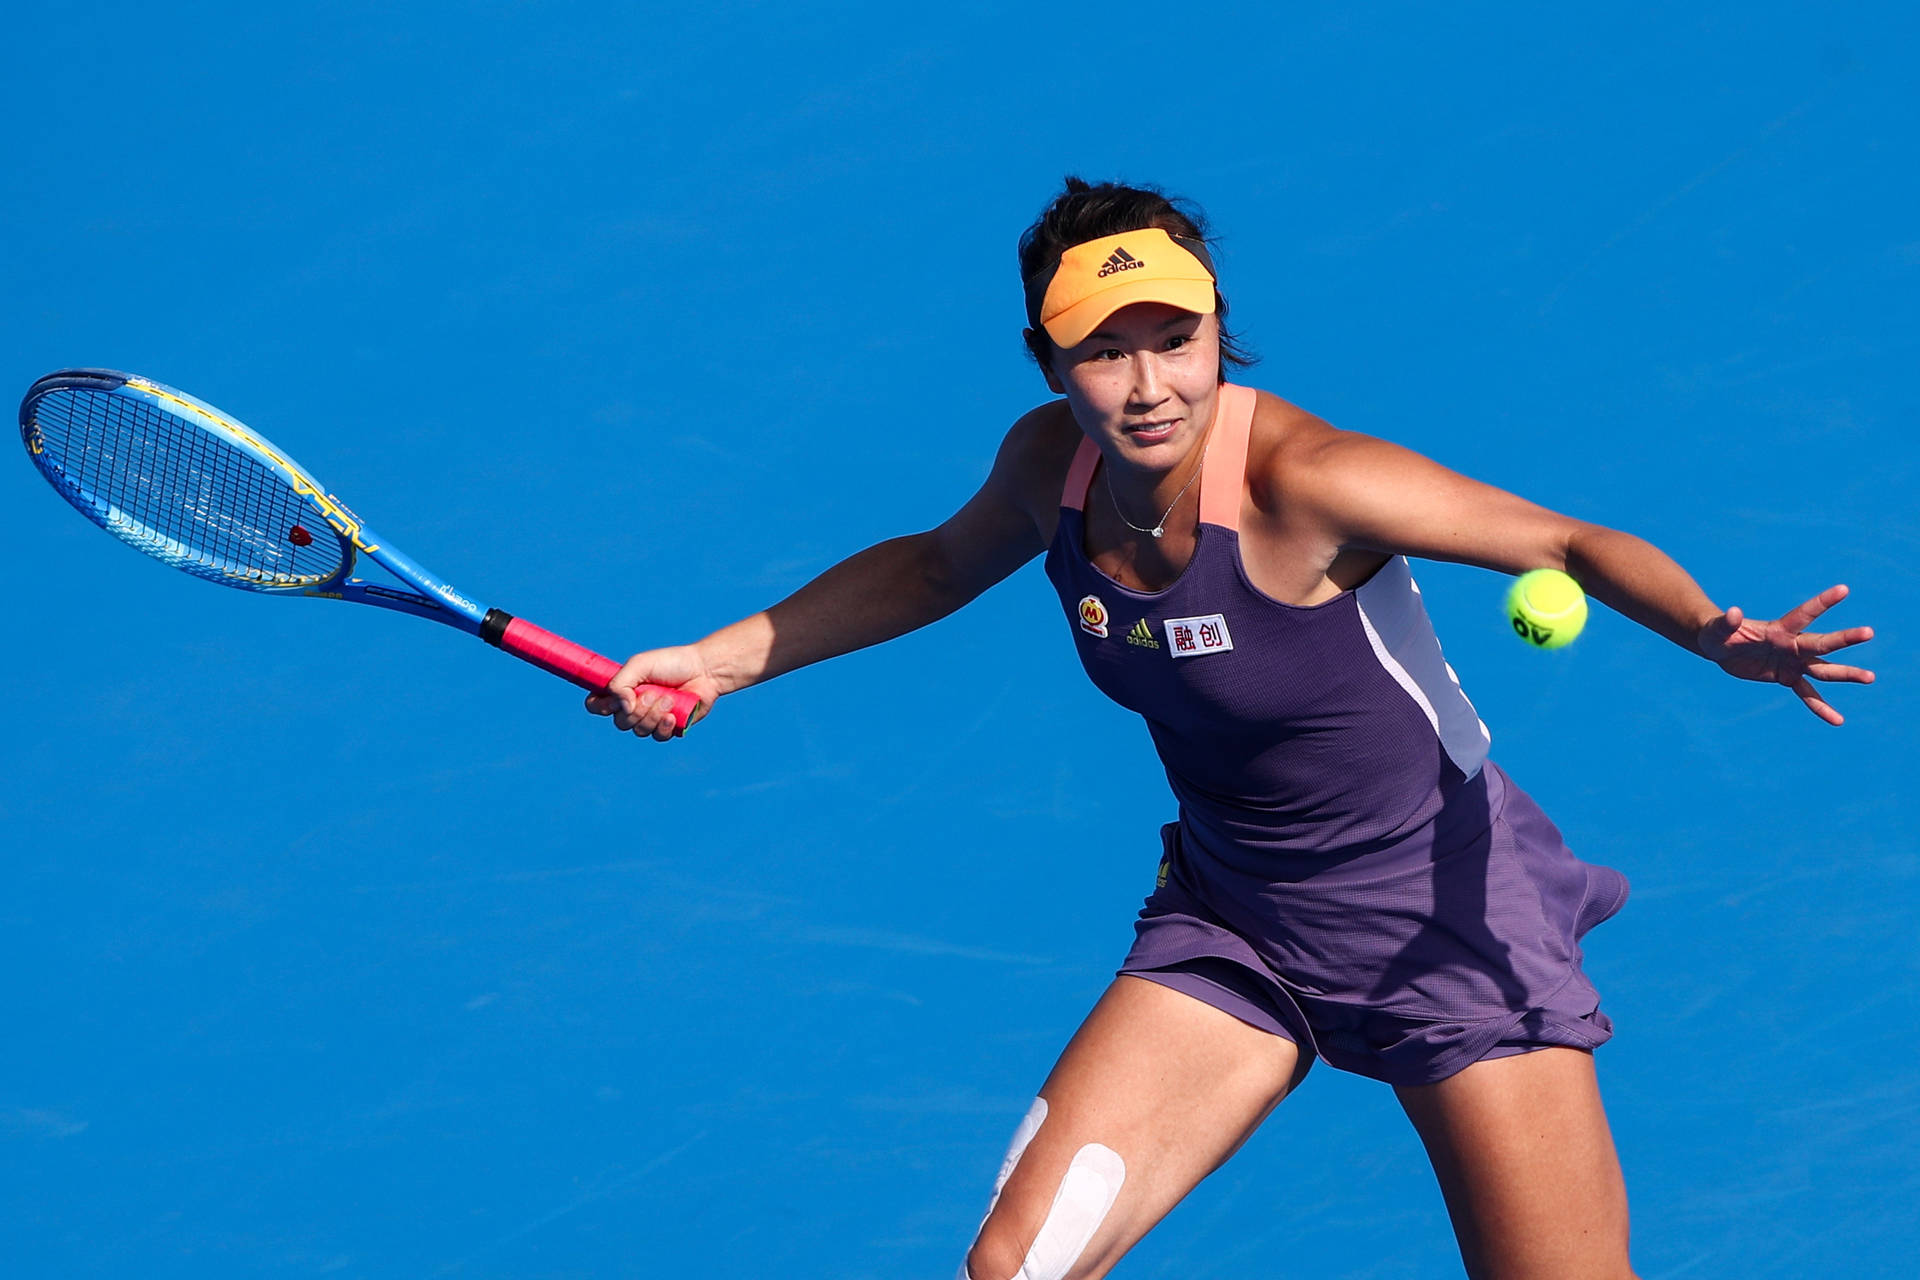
<point>1350,876</point>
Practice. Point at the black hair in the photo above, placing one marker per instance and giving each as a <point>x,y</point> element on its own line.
<point>1090,211</point>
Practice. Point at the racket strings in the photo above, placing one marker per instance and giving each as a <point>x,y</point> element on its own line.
<point>178,491</point>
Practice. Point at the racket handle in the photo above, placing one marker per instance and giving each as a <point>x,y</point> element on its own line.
<point>570,661</point>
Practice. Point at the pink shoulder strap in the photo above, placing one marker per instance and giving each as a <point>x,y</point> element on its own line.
<point>1073,494</point>
<point>1226,465</point>
<point>1223,480</point>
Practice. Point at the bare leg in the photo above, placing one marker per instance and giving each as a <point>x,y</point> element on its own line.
<point>1170,1085</point>
<point>1526,1162</point>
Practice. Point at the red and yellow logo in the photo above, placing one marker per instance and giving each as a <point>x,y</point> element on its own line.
<point>1093,616</point>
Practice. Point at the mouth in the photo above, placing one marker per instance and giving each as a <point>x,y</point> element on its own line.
<point>1151,432</point>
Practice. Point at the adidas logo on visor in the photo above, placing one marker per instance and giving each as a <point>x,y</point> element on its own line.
<point>1120,261</point>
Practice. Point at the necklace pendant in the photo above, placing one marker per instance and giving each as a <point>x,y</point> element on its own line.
<point>1158,531</point>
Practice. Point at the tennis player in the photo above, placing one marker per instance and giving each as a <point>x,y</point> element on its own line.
<point>1350,876</point>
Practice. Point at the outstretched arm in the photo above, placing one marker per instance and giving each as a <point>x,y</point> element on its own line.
<point>874,595</point>
<point>1377,495</point>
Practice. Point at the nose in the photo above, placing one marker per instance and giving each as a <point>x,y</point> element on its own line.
<point>1148,389</point>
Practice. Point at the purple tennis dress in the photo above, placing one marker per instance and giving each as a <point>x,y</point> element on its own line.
<point>1349,870</point>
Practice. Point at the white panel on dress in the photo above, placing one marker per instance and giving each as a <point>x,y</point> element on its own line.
<point>1403,640</point>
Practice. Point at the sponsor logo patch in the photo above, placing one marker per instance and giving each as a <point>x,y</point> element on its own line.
<point>1191,637</point>
<point>1093,616</point>
<point>1142,635</point>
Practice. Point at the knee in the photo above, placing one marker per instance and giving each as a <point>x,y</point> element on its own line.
<point>1068,1244</point>
<point>996,1255</point>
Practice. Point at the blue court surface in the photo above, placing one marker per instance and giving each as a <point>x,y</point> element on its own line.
<point>342,946</point>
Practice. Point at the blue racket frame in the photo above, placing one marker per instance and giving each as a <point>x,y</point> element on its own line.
<point>432,596</point>
<point>233,527</point>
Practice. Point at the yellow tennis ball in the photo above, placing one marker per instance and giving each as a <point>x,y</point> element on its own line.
<point>1546,608</point>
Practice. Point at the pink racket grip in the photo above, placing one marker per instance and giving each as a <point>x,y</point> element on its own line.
<point>570,661</point>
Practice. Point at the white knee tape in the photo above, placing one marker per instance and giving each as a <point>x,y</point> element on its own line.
<point>1029,1125</point>
<point>1035,1117</point>
<point>1086,1194</point>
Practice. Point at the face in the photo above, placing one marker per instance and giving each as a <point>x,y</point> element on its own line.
<point>1144,384</point>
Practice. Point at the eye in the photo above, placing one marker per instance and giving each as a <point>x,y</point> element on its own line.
<point>1178,340</point>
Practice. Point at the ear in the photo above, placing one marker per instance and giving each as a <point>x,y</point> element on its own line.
<point>1046,371</point>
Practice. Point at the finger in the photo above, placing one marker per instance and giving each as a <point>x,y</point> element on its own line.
<point>630,715</point>
<point>1797,619</point>
<point>632,672</point>
<point>1828,641</point>
<point>1834,671</point>
<point>1815,703</point>
<point>602,704</point>
<point>653,714</point>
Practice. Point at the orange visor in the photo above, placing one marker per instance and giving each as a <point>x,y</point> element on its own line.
<point>1096,279</point>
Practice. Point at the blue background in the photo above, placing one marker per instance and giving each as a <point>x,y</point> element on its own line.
<point>339,945</point>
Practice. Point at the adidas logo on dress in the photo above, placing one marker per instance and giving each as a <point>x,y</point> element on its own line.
<point>1121,260</point>
<point>1141,636</point>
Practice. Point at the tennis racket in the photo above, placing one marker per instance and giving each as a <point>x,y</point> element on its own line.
<point>192,487</point>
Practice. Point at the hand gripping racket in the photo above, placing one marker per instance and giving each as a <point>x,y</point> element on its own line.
<point>188,485</point>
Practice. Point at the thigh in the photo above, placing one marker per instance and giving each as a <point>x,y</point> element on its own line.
<point>1527,1165</point>
<point>1170,1087</point>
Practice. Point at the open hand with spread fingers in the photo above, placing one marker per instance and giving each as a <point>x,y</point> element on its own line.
<point>1785,652</point>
